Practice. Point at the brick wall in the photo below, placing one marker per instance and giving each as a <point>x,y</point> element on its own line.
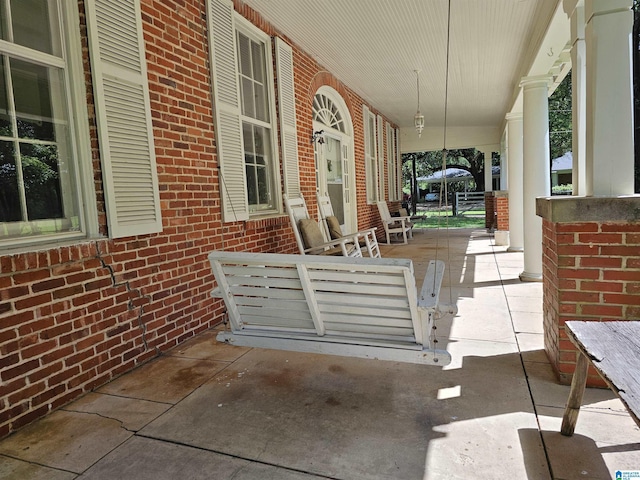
<point>73,317</point>
<point>502,210</point>
<point>489,210</point>
<point>591,272</point>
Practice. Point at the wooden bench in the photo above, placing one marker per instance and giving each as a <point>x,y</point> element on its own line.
<point>362,307</point>
<point>613,348</point>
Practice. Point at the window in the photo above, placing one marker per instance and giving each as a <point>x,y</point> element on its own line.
<point>393,163</point>
<point>39,175</point>
<point>380,158</point>
<point>370,155</point>
<point>244,103</point>
<point>256,122</point>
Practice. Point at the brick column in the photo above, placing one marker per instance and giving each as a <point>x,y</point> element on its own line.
<point>591,269</point>
<point>489,211</point>
<point>501,234</point>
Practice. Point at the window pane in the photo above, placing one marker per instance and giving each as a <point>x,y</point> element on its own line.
<point>248,108</point>
<point>4,31</point>
<point>32,25</point>
<point>244,55</point>
<point>9,195</point>
<point>247,136</point>
<point>252,189</point>
<point>258,61</point>
<point>5,118</point>
<point>32,95</point>
<point>263,185</point>
<point>41,177</point>
<point>262,112</point>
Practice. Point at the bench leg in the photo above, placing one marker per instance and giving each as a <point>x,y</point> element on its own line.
<point>575,396</point>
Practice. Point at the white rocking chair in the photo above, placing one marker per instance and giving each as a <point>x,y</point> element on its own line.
<point>309,237</point>
<point>394,225</point>
<point>332,230</point>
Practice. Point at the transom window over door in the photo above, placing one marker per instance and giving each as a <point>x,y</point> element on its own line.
<point>256,123</point>
<point>38,177</point>
<point>327,113</point>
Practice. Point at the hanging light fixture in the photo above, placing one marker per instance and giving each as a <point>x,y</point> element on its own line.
<point>418,119</point>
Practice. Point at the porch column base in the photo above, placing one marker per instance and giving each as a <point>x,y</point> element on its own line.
<point>530,277</point>
<point>515,249</point>
<point>501,237</point>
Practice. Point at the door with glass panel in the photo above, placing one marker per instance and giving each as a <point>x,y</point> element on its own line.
<point>333,159</point>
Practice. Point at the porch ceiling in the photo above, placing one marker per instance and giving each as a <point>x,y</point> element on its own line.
<point>374,46</point>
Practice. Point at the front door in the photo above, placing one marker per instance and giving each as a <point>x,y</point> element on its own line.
<point>334,165</point>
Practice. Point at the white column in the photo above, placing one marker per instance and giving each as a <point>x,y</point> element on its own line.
<point>537,169</point>
<point>504,170</point>
<point>515,181</point>
<point>488,172</point>
<point>609,92</point>
<point>575,11</point>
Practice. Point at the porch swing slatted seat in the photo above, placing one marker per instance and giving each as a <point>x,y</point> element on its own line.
<point>359,307</point>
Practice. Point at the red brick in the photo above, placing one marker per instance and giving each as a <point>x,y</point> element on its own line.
<point>47,285</point>
<point>18,370</point>
<point>601,286</point>
<point>603,262</point>
<point>576,227</point>
<point>31,276</point>
<point>602,310</point>
<point>622,299</point>
<point>600,238</point>
<point>621,275</point>
<point>33,301</point>
<point>578,273</point>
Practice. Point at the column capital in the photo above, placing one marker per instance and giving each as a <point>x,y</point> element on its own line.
<point>535,81</point>
<point>570,5</point>
<point>604,7</point>
<point>513,116</point>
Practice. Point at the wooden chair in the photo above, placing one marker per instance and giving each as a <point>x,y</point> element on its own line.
<point>394,225</point>
<point>309,236</point>
<point>359,307</point>
<point>332,230</point>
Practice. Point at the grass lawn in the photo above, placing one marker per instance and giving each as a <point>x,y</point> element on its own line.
<point>434,219</point>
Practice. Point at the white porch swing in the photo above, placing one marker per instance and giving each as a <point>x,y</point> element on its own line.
<point>358,307</point>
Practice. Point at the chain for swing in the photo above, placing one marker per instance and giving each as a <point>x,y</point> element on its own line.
<point>443,183</point>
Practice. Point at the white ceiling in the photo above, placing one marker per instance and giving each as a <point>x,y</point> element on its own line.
<point>374,46</point>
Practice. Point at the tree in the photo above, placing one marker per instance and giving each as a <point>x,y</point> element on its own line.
<point>560,119</point>
<point>427,163</point>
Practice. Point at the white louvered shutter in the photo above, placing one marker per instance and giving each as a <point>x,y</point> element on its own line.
<point>381,155</point>
<point>123,112</point>
<point>398,165</point>
<point>288,128</point>
<point>223,61</point>
<point>367,155</point>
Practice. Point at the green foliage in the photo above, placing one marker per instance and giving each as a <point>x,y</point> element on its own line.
<point>427,163</point>
<point>562,189</point>
<point>560,122</point>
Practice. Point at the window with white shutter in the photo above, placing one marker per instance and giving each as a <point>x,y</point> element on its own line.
<point>370,154</point>
<point>121,94</point>
<point>381,155</point>
<point>46,192</point>
<point>244,104</point>
<point>393,160</point>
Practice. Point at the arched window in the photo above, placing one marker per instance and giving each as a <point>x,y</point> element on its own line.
<point>327,113</point>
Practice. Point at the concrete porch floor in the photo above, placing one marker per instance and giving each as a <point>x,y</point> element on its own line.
<point>212,411</point>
